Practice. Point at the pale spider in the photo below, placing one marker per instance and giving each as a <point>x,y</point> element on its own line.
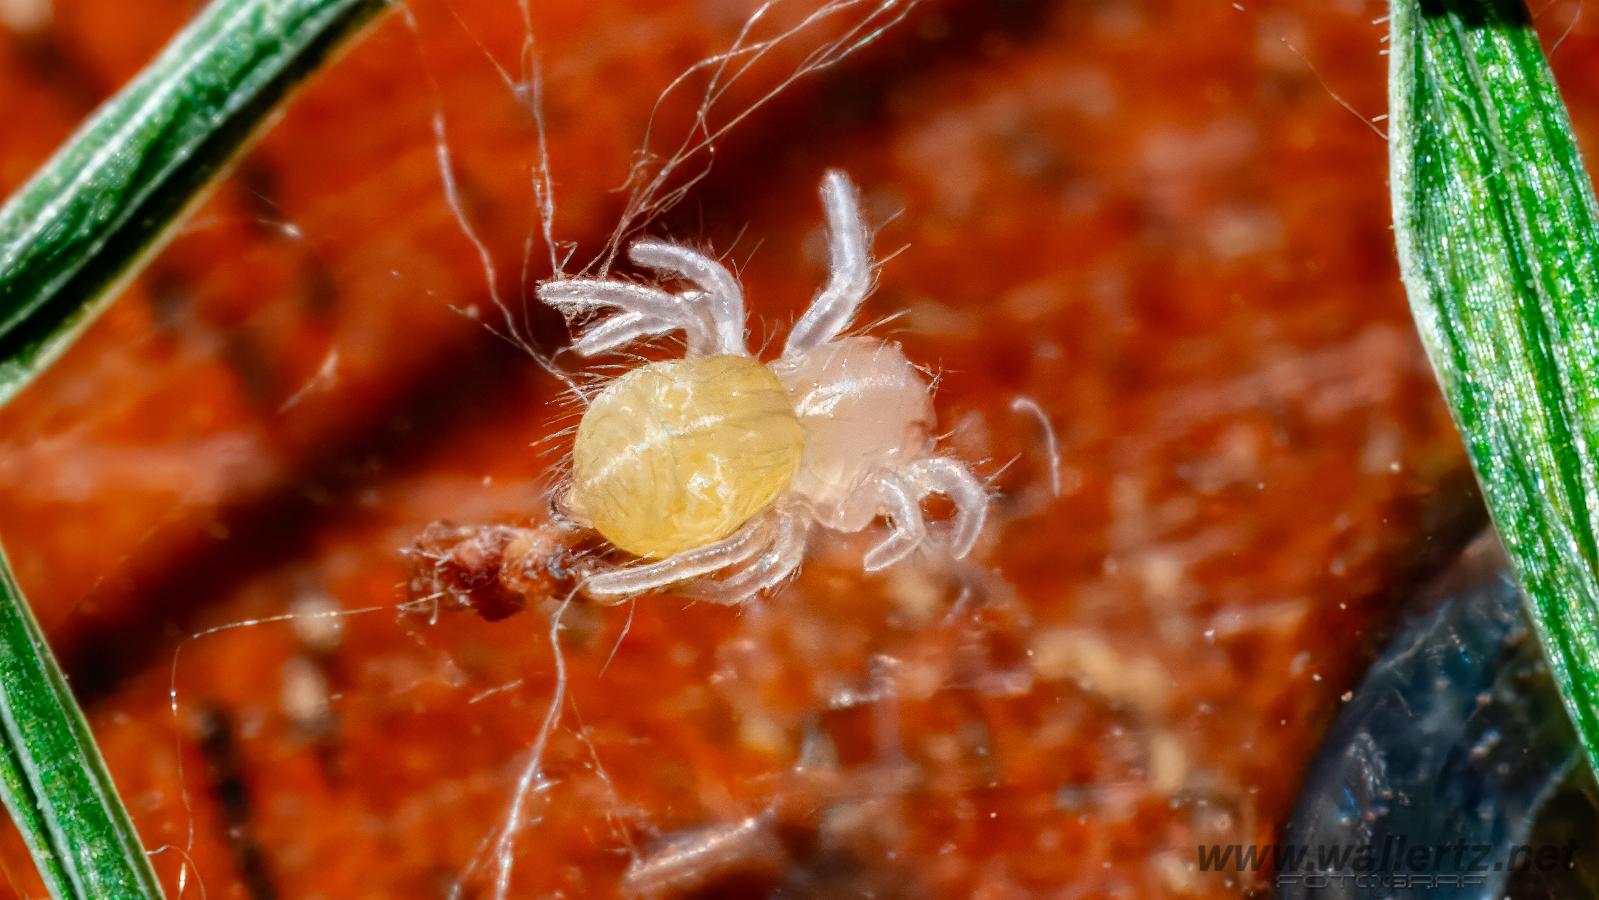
<point>717,464</point>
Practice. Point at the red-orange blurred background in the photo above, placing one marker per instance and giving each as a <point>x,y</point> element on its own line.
<point>1153,218</point>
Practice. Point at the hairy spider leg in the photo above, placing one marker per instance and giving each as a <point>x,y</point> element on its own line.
<point>721,288</point>
<point>849,273</point>
<point>643,312</point>
<point>900,501</point>
<point>942,475</point>
<point>755,537</point>
<point>899,495</point>
<point>779,563</point>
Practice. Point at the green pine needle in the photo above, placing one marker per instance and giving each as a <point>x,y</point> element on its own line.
<point>67,240</point>
<point>107,198</point>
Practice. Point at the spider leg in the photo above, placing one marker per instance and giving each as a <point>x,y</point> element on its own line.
<point>575,295</point>
<point>850,271</point>
<point>779,563</point>
<point>643,311</point>
<point>941,475</point>
<point>719,286</point>
<point>901,503</point>
<point>737,547</point>
<point>616,331</point>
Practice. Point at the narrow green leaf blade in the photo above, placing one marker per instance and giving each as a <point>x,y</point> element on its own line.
<point>1495,220</point>
<point>25,810</point>
<point>67,239</point>
<point>83,841</point>
<point>109,196</point>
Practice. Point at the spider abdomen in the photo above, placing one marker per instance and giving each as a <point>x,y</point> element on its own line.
<point>679,453</point>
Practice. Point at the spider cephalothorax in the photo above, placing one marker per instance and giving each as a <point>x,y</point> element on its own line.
<point>716,466</point>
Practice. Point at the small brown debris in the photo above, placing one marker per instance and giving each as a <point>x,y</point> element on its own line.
<point>492,570</point>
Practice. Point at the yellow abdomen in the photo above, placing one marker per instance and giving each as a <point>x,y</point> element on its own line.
<point>677,454</point>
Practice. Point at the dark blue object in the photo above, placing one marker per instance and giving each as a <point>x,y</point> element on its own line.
<point>1452,772</point>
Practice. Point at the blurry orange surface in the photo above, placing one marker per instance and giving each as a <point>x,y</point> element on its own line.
<point>1153,219</point>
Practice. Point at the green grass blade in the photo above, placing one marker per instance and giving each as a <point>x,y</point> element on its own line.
<point>1495,219</point>
<point>109,196</point>
<point>82,840</point>
<point>24,807</point>
<point>67,240</point>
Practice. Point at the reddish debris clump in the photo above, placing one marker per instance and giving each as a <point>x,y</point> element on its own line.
<point>492,570</point>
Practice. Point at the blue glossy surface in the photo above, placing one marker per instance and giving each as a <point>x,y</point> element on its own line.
<point>1452,753</point>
